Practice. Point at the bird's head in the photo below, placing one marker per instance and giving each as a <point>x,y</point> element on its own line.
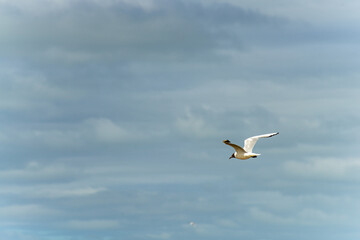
<point>232,156</point>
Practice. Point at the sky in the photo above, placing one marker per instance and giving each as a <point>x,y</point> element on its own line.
<point>113,113</point>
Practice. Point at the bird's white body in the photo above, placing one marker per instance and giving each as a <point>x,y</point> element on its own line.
<point>249,143</point>
<point>244,156</point>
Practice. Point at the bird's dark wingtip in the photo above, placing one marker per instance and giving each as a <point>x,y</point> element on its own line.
<point>274,134</point>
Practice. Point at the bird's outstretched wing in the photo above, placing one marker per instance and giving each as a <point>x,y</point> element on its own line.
<point>249,143</point>
<point>236,147</point>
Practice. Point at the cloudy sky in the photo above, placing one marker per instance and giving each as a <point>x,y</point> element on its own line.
<point>113,114</point>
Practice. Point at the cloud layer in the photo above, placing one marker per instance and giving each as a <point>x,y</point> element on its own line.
<point>113,114</point>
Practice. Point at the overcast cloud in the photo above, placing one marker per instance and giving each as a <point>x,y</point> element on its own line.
<point>113,114</point>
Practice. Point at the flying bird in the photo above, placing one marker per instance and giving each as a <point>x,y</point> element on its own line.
<point>249,143</point>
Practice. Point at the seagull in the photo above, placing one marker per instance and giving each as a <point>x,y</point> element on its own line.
<point>249,143</point>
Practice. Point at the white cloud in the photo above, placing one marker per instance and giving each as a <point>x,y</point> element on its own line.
<point>51,191</point>
<point>29,90</point>
<point>105,130</point>
<point>325,168</point>
<point>306,216</point>
<point>35,172</point>
<point>194,126</point>
<point>75,135</point>
<point>271,199</point>
<point>311,209</point>
<point>26,212</point>
<point>160,236</point>
<point>151,174</point>
<point>268,217</point>
<point>65,191</point>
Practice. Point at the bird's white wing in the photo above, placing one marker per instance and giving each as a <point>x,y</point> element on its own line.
<point>236,147</point>
<point>249,143</point>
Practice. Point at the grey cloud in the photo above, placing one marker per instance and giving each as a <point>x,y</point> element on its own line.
<point>86,31</point>
<point>83,31</point>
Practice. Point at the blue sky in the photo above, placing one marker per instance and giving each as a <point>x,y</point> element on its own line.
<point>113,114</point>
